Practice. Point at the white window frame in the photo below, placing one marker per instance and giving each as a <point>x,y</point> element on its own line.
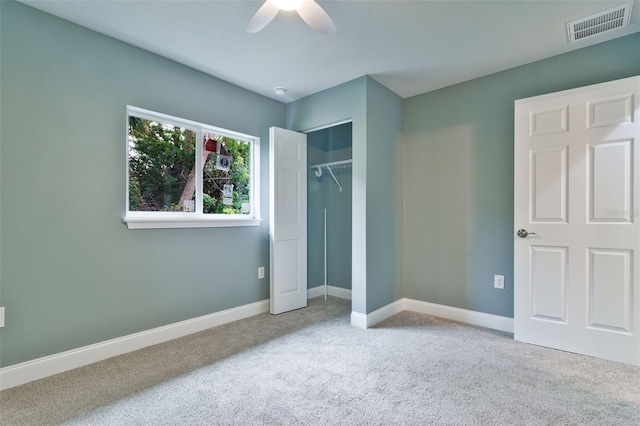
<point>197,219</point>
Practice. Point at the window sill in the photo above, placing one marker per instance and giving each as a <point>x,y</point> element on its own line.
<point>185,220</point>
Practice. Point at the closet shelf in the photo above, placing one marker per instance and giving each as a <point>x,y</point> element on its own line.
<point>344,164</point>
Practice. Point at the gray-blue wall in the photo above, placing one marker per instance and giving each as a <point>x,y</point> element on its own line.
<point>458,174</point>
<point>384,127</point>
<point>71,272</point>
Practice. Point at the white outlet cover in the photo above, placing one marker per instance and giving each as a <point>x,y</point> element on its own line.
<point>1,316</point>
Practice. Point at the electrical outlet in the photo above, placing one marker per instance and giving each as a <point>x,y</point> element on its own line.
<point>1,316</point>
<point>498,281</point>
<point>261,272</point>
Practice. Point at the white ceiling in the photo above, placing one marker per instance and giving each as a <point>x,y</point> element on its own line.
<point>411,47</point>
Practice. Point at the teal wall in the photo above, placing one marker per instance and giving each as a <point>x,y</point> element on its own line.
<point>457,155</point>
<point>71,272</point>
<point>316,202</point>
<point>339,227</point>
<point>384,127</point>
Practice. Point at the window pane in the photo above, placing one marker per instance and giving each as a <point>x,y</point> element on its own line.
<point>161,166</point>
<point>226,177</point>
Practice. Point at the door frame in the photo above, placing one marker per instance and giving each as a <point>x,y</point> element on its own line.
<point>329,126</point>
<point>354,245</point>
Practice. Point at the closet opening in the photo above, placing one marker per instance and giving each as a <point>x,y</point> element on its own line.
<point>329,201</point>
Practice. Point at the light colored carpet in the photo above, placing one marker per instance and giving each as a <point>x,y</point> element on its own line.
<point>310,367</point>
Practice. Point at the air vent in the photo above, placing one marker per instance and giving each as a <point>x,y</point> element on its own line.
<point>599,23</point>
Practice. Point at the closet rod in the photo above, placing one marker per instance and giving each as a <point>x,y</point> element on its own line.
<point>335,164</point>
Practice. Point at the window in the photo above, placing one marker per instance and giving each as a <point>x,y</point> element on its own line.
<point>185,174</point>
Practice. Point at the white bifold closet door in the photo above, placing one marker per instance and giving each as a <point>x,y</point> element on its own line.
<point>288,219</point>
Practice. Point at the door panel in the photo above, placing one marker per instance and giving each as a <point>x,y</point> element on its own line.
<point>610,183</point>
<point>549,283</point>
<point>288,196</point>
<point>288,272</point>
<point>288,219</point>
<point>577,193</point>
<point>610,289</point>
<point>610,111</point>
<point>548,121</point>
<point>549,177</point>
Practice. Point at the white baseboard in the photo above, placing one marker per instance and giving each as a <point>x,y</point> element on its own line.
<point>318,291</point>
<point>369,320</point>
<point>29,371</point>
<point>40,368</point>
<point>359,320</point>
<point>481,319</point>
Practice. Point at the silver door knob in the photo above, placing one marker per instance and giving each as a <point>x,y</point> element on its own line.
<point>523,233</point>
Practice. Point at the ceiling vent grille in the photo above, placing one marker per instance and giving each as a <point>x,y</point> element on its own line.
<point>598,23</point>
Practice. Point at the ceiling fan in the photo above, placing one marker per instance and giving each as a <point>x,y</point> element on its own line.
<point>309,11</point>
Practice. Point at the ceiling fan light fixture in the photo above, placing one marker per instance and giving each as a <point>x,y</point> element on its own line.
<point>287,4</point>
<point>309,11</point>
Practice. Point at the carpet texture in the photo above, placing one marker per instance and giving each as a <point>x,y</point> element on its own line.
<point>311,367</point>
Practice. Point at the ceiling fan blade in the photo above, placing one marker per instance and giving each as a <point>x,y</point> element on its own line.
<point>263,16</point>
<point>316,17</point>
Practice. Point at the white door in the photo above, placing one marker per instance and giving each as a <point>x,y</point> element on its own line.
<point>577,194</point>
<point>288,219</point>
